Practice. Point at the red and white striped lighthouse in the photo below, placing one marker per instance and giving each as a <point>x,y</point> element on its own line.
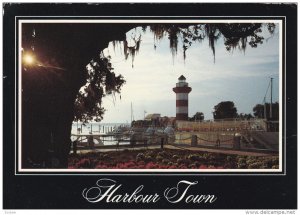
<point>182,91</point>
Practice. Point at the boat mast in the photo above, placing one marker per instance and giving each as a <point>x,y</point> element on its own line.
<point>271,99</point>
<point>131,113</point>
<point>265,108</point>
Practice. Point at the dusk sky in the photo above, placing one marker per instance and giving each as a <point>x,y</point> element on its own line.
<point>241,77</point>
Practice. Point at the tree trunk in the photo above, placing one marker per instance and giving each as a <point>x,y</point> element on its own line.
<point>47,113</point>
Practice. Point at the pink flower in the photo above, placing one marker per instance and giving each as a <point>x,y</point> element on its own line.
<point>151,165</point>
<point>202,166</point>
<point>172,167</point>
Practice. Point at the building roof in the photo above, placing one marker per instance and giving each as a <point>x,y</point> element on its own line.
<point>181,78</point>
<point>152,116</point>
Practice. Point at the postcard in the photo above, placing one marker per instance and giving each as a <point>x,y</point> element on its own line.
<point>186,106</point>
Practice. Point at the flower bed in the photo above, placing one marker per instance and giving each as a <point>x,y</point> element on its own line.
<point>168,159</point>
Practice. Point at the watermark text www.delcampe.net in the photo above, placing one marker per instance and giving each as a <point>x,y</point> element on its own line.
<point>267,212</point>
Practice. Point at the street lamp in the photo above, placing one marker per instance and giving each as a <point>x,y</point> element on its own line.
<point>28,59</point>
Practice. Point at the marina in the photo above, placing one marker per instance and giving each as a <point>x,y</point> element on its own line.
<point>255,140</point>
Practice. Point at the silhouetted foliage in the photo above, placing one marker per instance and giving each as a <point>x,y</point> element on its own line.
<point>245,116</point>
<point>101,81</point>
<point>225,109</point>
<point>234,34</point>
<point>259,110</point>
<point>199,116</point>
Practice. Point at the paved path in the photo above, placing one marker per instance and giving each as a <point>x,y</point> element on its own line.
<point>223,151</point>
<point>180,147</point>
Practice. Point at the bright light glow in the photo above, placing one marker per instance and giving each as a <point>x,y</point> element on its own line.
<point>28,59</point>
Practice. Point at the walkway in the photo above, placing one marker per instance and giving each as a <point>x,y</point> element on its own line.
<point>181,147</point>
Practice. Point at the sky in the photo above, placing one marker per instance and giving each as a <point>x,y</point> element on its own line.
<point>238,76</point>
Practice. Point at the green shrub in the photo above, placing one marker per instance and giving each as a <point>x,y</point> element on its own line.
<point>212,156</point>
<point>275,161</point>
<point>257,165</point>
<point>269,163</point>
<point>187,162</point>
<point>171,164</point>
<point>165,161</point>
<point>193,157</point>
<point>229,158</point>
<point>193,166</point>
<point>205,156</point>
<point>251,160</point>
<point>197,163</point>
<point>148,158</point>
<point>183,161</point>
<point>151,153</point>
<point>140,157</point>
<point>180,161</point>
<point>242,163</point>
<point>175,157</point>
<point>159,158</point>
<point>106,157</point>
<point>163,154</point>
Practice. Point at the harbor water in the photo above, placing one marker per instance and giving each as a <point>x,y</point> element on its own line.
<point>97,128</point>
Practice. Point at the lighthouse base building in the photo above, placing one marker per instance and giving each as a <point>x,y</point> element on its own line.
<point>182,91</point>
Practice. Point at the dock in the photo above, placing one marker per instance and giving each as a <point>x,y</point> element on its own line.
<point>122,144</point>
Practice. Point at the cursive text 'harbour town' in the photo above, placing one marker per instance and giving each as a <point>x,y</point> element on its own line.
<point>110,191</point>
